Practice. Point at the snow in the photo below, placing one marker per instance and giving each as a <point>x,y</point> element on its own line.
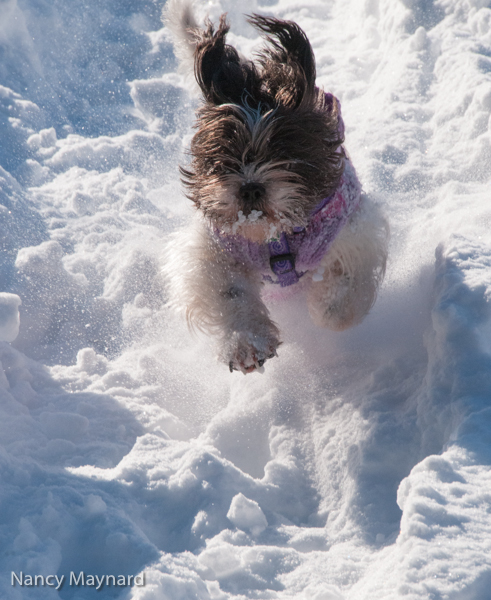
<point>9,316</point>
<point>247,515</point>
<point>357,466</point>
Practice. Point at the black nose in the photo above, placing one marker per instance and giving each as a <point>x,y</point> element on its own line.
<point>251,194</point>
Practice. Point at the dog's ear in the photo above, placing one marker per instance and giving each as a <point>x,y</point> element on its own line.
<point>288,63</point>
<point>221,75</point>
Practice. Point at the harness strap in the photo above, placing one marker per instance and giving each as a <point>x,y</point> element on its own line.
<point>282,261</point>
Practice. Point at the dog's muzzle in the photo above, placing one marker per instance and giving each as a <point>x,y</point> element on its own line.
<point>252,196</point>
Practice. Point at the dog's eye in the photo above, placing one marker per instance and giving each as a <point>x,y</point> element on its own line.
<point>215,169</point>
<point>221,169</point>
<point>292,165</point>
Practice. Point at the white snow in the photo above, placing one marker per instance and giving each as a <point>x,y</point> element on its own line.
<point>9,316</point>
<point>247,515</point>
<point>357,466</point>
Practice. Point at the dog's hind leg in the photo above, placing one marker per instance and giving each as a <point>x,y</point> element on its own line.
<point>344,286</point>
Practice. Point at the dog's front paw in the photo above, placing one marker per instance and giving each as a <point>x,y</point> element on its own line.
<point>247,351</point>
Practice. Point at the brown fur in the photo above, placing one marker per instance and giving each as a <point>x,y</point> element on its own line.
<point>265,124</point>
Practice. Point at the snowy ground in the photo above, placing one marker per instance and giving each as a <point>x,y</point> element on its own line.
<point>357,466</point>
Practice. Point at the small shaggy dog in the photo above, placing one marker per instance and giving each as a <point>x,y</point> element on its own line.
<point>279,204</point>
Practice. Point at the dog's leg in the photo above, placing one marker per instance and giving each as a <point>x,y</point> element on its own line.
<point>344,286</point>
<point>220,297</point>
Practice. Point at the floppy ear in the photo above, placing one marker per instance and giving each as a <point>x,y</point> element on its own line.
<point>289,63</point>
<point>221,75</point>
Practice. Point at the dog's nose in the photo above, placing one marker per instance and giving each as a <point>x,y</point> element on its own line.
<point>251,194</point>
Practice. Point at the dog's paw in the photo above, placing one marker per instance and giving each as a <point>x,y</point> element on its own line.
<point>247,351</point>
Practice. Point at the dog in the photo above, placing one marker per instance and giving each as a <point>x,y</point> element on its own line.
<point>279,205</point>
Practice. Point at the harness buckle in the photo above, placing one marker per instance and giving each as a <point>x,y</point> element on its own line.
<point>282,258</point>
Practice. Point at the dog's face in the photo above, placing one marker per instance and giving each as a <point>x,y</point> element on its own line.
<point>266,150</point>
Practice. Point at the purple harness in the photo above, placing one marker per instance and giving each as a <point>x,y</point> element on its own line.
<point>281,260</point>
<point>290,256</point>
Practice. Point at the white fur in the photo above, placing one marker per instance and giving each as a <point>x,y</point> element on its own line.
<point>178,16</point>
